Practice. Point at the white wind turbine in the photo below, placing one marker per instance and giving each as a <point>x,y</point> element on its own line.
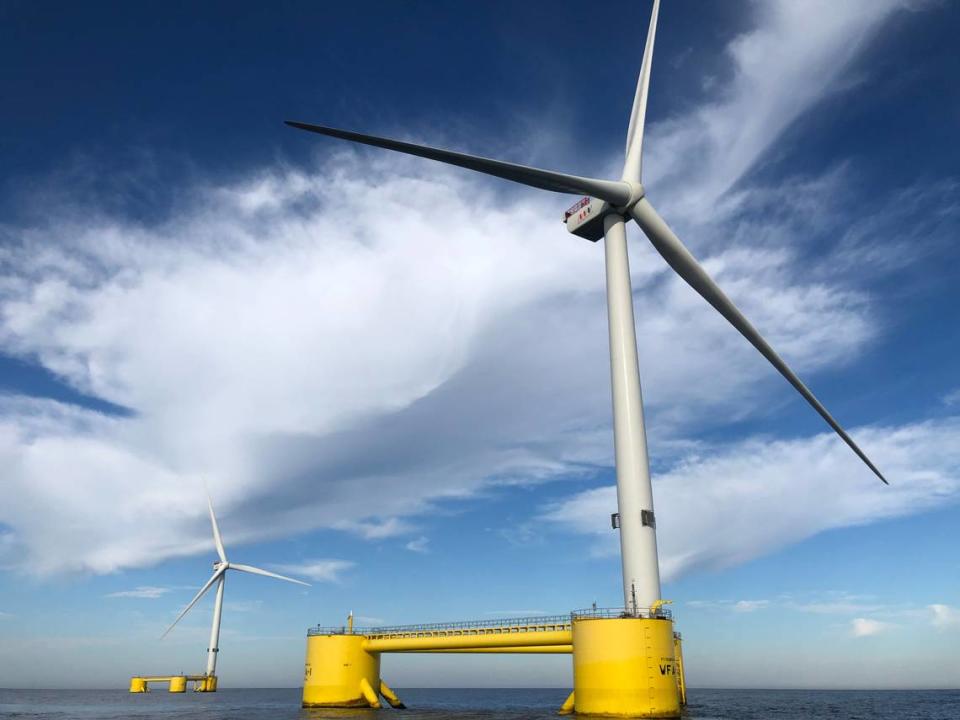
<point>603,214</point>
<point>219,576</point>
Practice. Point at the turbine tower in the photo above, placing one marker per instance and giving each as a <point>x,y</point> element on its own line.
<point>219,576</point>
<point>603,213</point>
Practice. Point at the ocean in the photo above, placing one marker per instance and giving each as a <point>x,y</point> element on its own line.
<point>449,704</point>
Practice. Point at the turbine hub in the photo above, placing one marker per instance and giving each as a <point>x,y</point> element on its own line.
<point>636,192</point>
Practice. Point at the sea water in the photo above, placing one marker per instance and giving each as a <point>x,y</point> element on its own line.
<point>451,704</point>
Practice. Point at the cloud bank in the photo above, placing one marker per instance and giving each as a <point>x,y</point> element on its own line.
<point>303,341</point>
<point>757,496</point>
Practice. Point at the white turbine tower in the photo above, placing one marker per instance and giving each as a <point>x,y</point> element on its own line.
<point>219,576</point>
<point>603,214</point>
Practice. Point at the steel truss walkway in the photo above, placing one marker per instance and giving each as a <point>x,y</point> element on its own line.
<point>538,634</point>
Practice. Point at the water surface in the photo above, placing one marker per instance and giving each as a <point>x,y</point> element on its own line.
<point>448,704</point>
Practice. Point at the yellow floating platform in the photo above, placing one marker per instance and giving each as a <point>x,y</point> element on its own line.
<point>623,666</point>
<point>176,683</point>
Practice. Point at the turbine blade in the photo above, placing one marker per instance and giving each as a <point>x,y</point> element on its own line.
<point>216,532</point>
<point>686,266</point>
<point>634,151</point>
<point>203,590</point>
<point>257,571</point>
<point>616,193</point>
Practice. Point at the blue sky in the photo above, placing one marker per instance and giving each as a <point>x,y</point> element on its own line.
<point>393,375</point>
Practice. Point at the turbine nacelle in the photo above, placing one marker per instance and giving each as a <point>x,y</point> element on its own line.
<point>585,218</point>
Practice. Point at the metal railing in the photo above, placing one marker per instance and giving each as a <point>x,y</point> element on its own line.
<point>595,612</point>
<point>539,623</point>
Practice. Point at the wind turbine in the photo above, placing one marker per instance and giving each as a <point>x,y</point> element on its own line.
<point>603,214</point>
<point>219,576</point>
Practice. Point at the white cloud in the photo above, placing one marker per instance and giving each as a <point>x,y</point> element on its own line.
<point>756,496</point>
<point>419,545</point>
<point>832,602</point>
<point>750,605</point>
<point>375,529</point>
<point>850,609</point>
<point>782,67</point>
<point>952,398</point>
<point>256,365</point>
<point>838,606</point>
<point>148,592</point>
<point>304,354</point>
<point>945,616</point>
<point>739,606</point>
<point>865,627</point>
<point>317,570</point>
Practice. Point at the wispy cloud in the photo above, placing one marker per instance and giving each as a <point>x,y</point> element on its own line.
<point>866,627</point>
<point>148,592</point>
<point>770,88</point>
<point>864,615</point>
<point>952,398</point>
<point>720,505</point>
<point>750,605</point>
<point>318,570</point>
<point>376,528</point>
<point>419,545</point>
<point>945,616</point>
<point>739,606</point>
<point>837,607</point>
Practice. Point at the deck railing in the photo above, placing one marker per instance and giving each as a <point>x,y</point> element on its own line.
<point>538,623</point>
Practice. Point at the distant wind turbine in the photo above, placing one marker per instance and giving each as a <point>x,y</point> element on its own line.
<point>603,214</point>
<point>219,576</point>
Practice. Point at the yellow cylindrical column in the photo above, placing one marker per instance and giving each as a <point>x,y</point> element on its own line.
<point>207,684</point>
<point>178,684</point>
<point>625,667</point>
<point>138,685</point>
<point>334,669</point>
